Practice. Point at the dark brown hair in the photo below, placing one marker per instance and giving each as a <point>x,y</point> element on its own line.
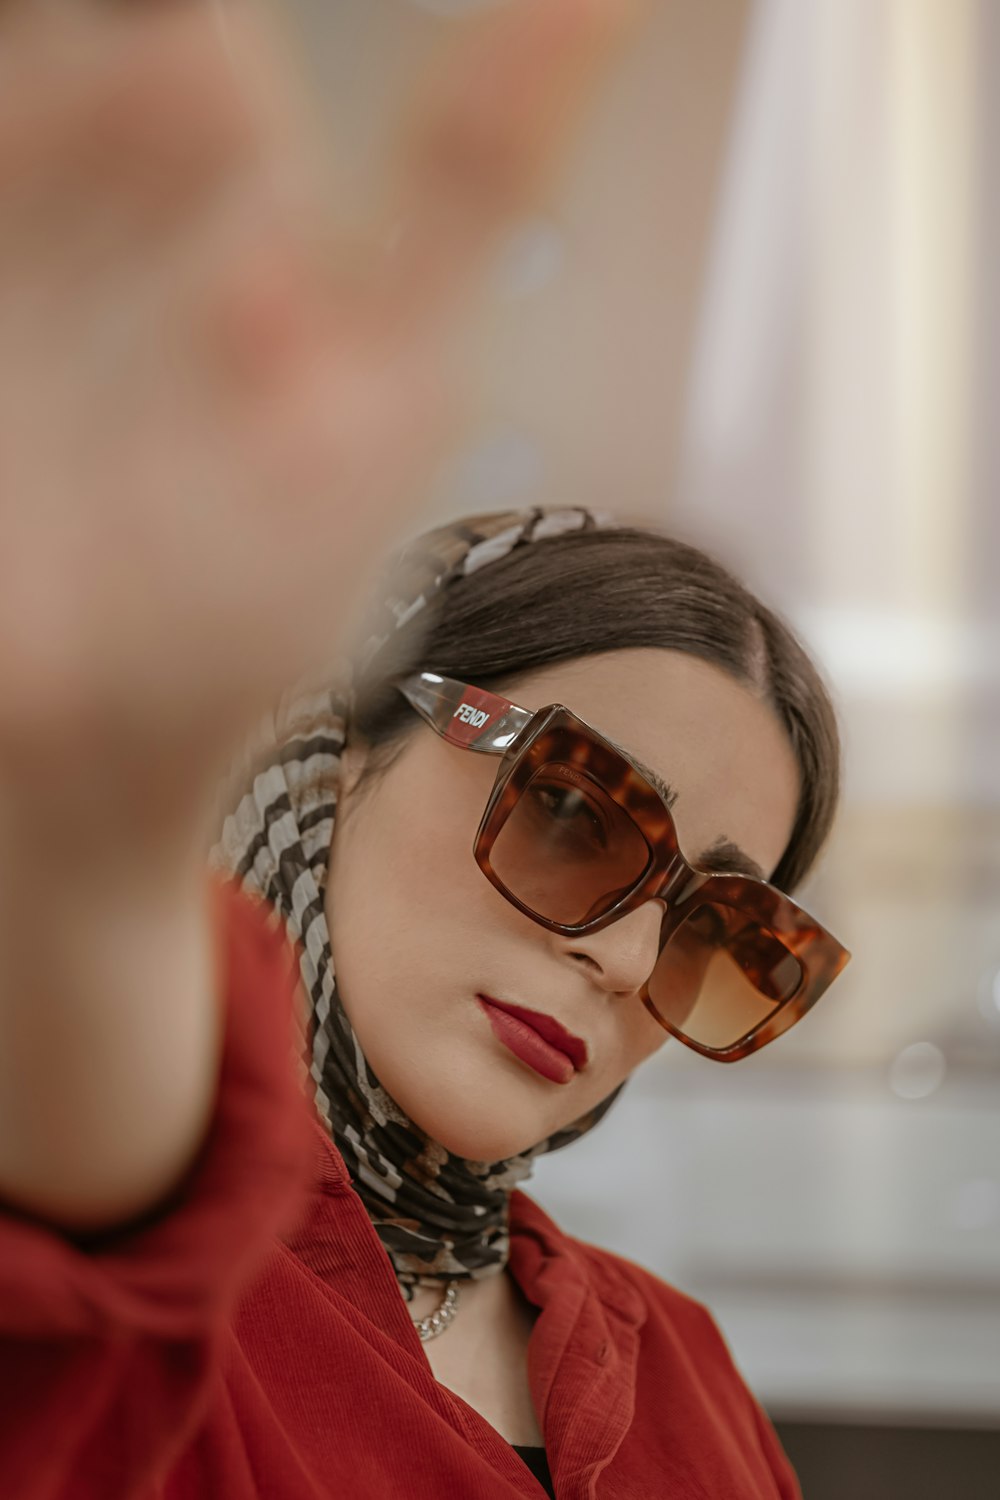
<point>595,591</point>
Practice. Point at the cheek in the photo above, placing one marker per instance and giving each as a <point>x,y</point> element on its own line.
<point>643,1036</point>
<point>634,1037</point>
<point>405,896</point>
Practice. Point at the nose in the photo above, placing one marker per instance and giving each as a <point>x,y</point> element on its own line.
<point>620,957</point>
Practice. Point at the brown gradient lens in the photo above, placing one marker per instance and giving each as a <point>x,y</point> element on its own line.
<point>567,851</point>
<point>721,974</point>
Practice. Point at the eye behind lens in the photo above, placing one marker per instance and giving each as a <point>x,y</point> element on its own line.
<point>566,850</point>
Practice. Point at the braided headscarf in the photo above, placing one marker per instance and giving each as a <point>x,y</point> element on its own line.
<point>437,1214</point>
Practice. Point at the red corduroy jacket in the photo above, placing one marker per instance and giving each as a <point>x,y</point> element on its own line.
<point>248,1341</point>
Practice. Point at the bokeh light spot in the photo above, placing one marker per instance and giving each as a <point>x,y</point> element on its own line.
<point>917,1071</point>
<point>989,998</point>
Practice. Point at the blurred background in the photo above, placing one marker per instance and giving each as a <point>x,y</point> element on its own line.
<point>761,309</point>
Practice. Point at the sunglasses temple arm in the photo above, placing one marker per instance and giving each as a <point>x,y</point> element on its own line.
<point>463,715</point>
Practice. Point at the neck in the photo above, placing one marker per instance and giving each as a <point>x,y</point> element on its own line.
<point>483,1354</point>
<point>480,1302</point>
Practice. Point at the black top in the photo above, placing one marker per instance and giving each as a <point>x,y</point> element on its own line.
<point>539,1466</point>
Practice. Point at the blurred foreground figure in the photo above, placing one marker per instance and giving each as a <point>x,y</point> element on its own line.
<point>211,419</point>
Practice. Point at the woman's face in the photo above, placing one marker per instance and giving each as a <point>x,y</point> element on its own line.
<point>420,933</point>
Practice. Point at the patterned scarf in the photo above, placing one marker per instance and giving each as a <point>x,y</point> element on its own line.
<point>438,1215</point>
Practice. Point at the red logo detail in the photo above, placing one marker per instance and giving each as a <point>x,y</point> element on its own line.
<point>471,716</point>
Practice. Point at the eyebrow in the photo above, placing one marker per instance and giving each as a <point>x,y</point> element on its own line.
<point>666,791</point>
<point>726,858</point>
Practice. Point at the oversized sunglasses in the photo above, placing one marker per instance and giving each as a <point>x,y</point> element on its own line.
<point>575,836</point>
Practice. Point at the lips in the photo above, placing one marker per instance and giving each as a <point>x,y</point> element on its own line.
<point>538,1040</point>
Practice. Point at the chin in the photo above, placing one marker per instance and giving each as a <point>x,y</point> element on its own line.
<point>481,1139</point>
<point>469,1108</point>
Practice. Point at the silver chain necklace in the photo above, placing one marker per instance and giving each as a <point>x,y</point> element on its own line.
<point>437,1321</point>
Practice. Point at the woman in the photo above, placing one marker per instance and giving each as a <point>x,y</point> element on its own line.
<point>200,1273</point>
<point>455,1036</point>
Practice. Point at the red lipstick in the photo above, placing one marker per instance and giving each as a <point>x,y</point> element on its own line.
<point>536,1039</point>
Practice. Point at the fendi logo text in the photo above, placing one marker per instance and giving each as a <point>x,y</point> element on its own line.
<point>475,716</point>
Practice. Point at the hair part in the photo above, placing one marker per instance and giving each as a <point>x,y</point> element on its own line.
<point>590,592</point>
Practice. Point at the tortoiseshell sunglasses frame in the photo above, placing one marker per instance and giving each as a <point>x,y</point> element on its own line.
<point>473,719</point>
